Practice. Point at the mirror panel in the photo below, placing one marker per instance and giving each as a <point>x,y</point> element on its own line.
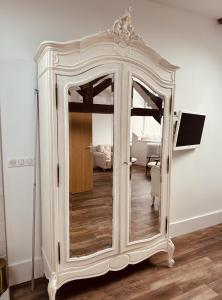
<point>91,114</point>
<point>145,161</point>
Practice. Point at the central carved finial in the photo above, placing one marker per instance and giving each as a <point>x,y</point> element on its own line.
<point>123,31</point>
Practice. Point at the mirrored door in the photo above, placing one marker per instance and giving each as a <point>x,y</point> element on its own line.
<point>146,130</point>
<point>91,157</point>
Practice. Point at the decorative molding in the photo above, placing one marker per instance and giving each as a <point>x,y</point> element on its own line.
<point>116,263</point>
<point>55,58</point>
<point>122,36</point>
<point>123,32</point>
<point>52,286</point>
<point>119,262</point>
<point>171,249</point>
<point>167,82</point>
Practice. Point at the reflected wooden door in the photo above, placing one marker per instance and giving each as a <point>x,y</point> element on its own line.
<point>80,156</point>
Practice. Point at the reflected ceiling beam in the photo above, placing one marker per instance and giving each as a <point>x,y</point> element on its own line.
<point>82,89</point>
<point>91,108</point>
<point>144,95</point>
<point>156,113</point>
<point>91,83</point>
<point>102,86</point>
<point>88,95</point>
<point>88,91</point>
<point>154,101</point>
<point>109,109</point>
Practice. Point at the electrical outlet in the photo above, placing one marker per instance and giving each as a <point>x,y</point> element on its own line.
<point>29,162</point>
<point>20,162</point>
<point>12,163</point>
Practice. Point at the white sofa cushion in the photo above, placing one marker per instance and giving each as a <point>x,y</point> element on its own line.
<point>106,150</point>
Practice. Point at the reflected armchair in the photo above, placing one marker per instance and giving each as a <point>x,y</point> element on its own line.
<point>103,157</point>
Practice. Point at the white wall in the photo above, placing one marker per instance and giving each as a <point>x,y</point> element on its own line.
<point>103,123</point>
<point>192,42</point>
<point>18,80</point>
<point>102,129</point>
<point>137,122</point>
<point>143,127</point>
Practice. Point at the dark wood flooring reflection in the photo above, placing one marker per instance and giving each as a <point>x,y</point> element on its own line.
<point>197,274</point>
<point>91,213</point>
<point>144,219</point>
<point>91,217</point>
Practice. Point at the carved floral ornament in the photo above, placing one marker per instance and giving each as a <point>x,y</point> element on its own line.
<point>123,32</point>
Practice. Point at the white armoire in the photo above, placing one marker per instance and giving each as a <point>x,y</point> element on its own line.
<point>102,100</point>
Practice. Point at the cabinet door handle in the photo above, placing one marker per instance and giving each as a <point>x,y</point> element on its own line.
<point>128,163</point>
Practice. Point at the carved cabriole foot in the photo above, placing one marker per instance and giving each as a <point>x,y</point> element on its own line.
<point>170,248</point>
<point>52,287</point>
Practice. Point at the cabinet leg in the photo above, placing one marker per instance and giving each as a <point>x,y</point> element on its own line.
<point>52,287</point>
<point>171,249</point>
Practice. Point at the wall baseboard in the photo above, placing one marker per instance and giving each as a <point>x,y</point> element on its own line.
<point>195,223</point>
<point>21,272</point>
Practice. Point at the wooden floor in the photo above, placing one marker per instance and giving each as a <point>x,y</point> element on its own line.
<point>144,218</point>
<point>197,274</point>
<point>91,213</point>
<point>91,217</point>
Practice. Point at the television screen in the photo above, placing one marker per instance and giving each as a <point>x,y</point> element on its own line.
<point>189,130</point>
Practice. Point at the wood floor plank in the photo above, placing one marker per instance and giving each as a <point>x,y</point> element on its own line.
<point>202,292</point>
<point>196,275</point>
<point>163,293</point>
<point>216,285</point>
<point>91,213</point>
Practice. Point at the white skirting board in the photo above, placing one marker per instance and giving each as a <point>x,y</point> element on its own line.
<point>195,223</point>
<point>21,272</point>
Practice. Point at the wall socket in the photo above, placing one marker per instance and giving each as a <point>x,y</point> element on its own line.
<point>20,162</point>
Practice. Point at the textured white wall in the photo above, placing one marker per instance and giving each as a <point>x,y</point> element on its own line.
<point>192,42</point>
<point>18,80</point>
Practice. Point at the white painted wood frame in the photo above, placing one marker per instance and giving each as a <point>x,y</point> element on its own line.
<point>123,53</point>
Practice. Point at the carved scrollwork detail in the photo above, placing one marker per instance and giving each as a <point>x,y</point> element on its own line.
<point>123,32</point>
<point>171,249</point>
<point>56,58</point>
<point>52,287</point>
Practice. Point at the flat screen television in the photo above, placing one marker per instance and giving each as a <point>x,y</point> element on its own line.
<point>189,129</point>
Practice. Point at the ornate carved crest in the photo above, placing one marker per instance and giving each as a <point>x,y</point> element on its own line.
<point>123,32</point>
